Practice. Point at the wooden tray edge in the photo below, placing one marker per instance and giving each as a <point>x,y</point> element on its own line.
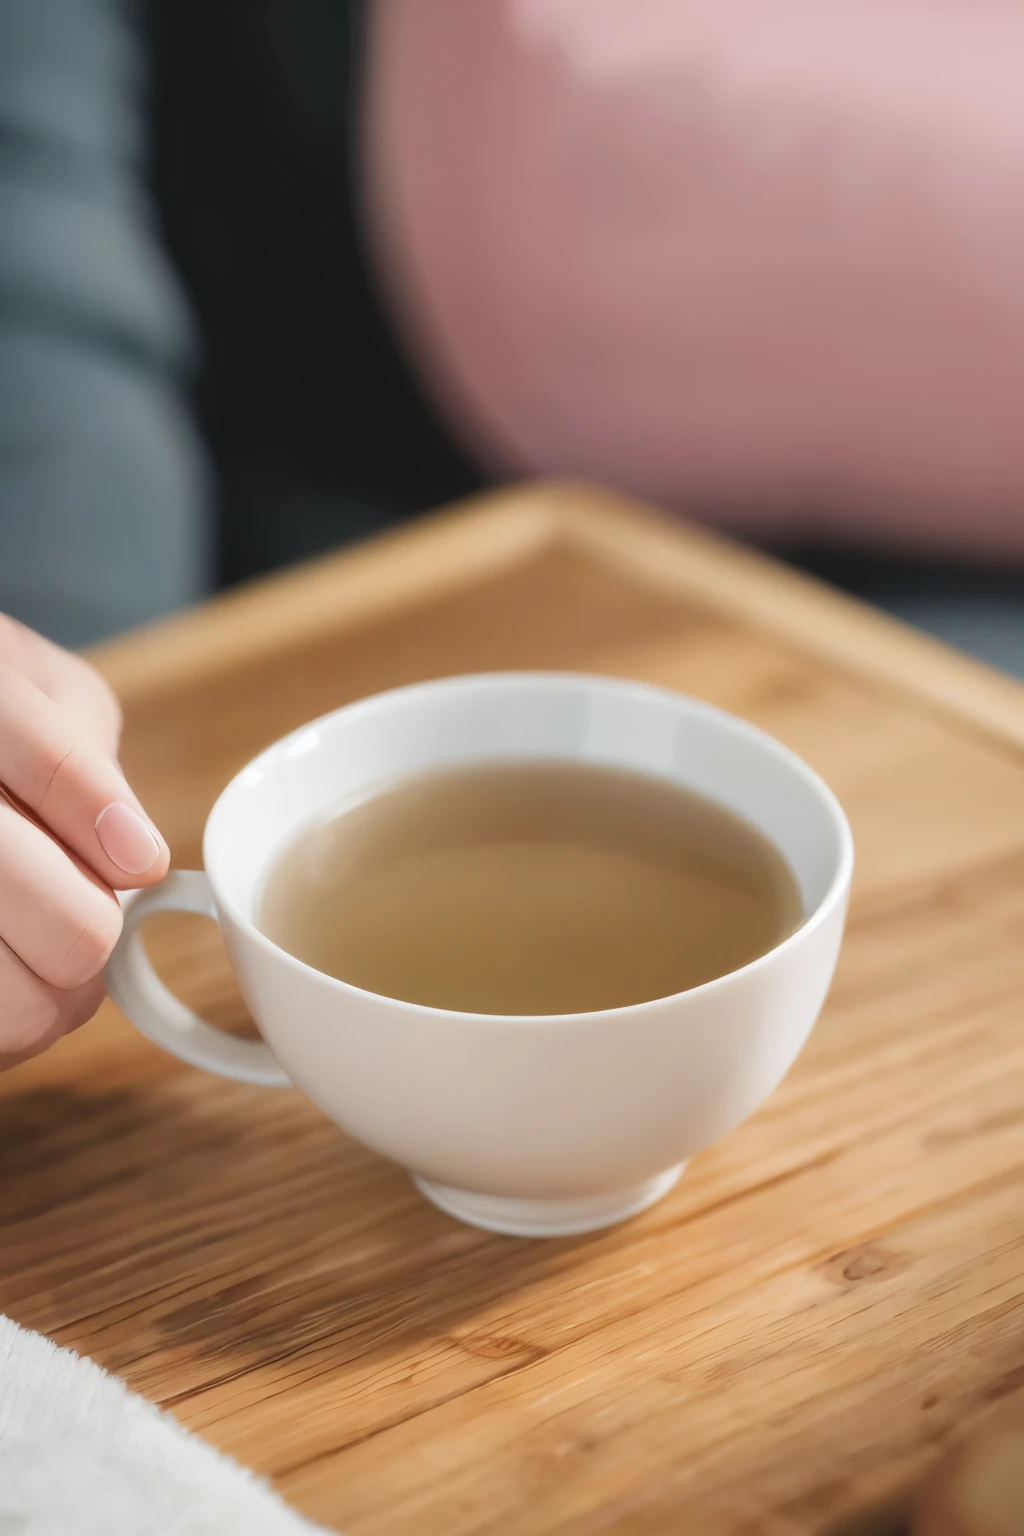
<point>449,550</point>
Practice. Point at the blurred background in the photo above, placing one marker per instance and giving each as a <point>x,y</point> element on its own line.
<point>318,426</point>
<point>277,274</point>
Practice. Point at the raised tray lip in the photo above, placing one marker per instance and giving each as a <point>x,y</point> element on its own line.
<point>450,549</point>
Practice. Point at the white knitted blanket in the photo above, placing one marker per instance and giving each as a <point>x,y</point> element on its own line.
<point>80,1455</point>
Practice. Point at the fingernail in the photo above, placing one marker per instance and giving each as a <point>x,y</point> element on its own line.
<point>126,839</point>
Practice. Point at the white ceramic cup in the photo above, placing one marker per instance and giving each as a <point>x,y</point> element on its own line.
<point>532,1126</point>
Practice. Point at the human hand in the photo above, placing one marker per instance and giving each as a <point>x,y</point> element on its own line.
<point>71,833</point>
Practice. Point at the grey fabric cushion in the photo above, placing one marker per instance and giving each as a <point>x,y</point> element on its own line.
<point>987,625</point>
<point>102,482</point>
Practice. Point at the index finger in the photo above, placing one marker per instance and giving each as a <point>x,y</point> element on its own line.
<point>67,679</point>
<point>57,771</point>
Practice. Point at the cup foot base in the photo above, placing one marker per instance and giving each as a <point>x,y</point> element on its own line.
<point>547,1218</point>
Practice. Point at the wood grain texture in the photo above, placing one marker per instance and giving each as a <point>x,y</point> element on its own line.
<point>830,1292</point>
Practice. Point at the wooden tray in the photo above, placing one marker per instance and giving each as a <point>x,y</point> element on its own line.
<point>830,1291</point>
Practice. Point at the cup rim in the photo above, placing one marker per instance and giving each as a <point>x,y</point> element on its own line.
<point>468,682</point>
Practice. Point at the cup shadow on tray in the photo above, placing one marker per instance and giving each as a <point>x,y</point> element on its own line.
<point>229,1233</point>
<point>235,1229</point>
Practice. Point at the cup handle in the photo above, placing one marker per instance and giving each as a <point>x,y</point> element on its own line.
<point>142,997</point>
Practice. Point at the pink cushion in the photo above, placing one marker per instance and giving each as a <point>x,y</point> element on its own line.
<point>760,259</point>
